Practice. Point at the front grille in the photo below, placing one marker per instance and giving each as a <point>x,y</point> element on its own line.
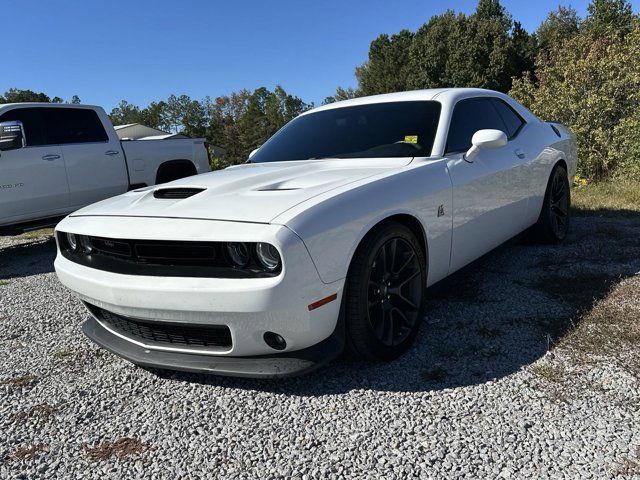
<point>167,334</point>
<point>176,193</point>
<point>160,258</point>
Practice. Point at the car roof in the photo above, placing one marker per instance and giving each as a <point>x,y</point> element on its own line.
<point>447,96</point>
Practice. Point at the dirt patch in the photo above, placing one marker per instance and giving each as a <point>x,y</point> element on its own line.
<point>22,381</point>
<point>26,453</point>
<point>121,448</point>
<point>42,413</point>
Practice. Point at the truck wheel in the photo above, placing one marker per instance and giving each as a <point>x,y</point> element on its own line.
<point>175,170</point>
<point>385,293</point>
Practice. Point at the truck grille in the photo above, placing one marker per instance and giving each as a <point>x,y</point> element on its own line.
<point>164,333</point>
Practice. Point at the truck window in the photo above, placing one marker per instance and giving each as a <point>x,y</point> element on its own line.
<point>32,122</point>
<point>75,125</point>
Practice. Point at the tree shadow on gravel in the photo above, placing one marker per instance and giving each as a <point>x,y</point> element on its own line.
<point>27,259</point>
<point>487,321</point>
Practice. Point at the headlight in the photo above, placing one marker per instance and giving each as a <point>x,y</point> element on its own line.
<point>268,256</point>
<point>72,241</point>
<point>239,254</point>
<point>85,243</point>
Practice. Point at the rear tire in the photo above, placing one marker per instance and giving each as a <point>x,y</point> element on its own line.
<point>553,224</point>
<point>385,293</point>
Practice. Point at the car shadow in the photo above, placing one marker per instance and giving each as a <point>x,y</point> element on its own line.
<point>25,259</point>
<point>488,320</point>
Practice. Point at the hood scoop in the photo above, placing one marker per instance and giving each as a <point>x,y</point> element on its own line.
<point>176,193</point>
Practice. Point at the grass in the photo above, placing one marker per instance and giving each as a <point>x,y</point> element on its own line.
<point>610,328</point>
<point>121,448</point>
<point>548,372</point>
<point>36,233</point>
<point>4,282</point>
<point>60,354</point>
<point>621,196</point>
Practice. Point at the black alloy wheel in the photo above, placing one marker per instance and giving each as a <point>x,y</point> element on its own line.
<point>553,223</point>
<point>395,291</point>
<point>385,293</point>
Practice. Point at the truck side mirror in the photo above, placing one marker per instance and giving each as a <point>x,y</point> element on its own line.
<point>11,135</point>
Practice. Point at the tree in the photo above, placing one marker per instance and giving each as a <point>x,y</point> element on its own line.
<point>14,95</point>
<point>609,16</point>
<point>387,68</point>
<point>559,26</point>
<point>75,100</point>
<point>341,94</point>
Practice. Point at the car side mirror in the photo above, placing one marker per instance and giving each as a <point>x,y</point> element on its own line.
<point>11,135</point>
<point>485,140</point>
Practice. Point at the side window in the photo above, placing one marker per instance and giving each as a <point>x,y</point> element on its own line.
<point>510,117</point>
<point>32,122</point>
<point>75,125</point>
<point>468,117</point>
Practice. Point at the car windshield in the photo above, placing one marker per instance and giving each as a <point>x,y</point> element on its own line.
<point>395,129</point>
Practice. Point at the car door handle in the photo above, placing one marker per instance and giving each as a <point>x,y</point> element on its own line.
<point>50,158</point>
<point>111,152</point>
<point>520,154</point>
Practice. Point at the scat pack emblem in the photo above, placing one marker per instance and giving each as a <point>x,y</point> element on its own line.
<point>11,185</point>
<point>441,211</point>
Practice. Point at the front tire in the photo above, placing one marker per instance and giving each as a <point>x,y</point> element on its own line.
<point>385,293</point>
<point>553,224</point>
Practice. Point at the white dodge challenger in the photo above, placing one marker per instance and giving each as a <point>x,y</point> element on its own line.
<point>325,239</point>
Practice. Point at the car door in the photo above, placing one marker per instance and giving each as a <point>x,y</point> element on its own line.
<point>490,193</point>
<point>33,180</point>
<point>96,168</point>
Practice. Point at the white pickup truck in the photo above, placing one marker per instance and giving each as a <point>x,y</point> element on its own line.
<point>57,158</point>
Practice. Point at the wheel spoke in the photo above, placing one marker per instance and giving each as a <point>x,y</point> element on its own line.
<point>408,279</point>
<point>406,263</point>
<point>411,305</point>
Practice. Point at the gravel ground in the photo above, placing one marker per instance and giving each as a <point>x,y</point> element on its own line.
<point>494,388</point>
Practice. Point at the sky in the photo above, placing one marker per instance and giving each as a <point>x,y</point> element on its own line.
<point>142,50</point>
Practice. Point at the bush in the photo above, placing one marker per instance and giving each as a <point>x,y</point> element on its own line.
<point>591,83</point>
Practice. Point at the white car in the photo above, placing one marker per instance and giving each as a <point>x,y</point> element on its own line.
<point>326,238</point>
<point>57,158</point>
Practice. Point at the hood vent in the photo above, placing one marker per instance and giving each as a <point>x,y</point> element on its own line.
<point>176,193</point>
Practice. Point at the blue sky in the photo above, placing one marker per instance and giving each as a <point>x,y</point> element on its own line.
<point>145,50</point>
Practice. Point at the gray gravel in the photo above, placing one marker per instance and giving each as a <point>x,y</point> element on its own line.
<point>470,400</point>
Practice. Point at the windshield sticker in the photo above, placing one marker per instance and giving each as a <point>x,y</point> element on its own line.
<point>411,138</point>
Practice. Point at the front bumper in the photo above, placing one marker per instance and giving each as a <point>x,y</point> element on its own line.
<point>287,364</point>
<point>248,307</point>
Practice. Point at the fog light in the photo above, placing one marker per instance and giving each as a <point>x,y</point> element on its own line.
<point>72,241</point>
<point>275,341</point>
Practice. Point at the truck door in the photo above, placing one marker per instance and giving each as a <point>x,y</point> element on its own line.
<point>33,180</point>
<point>96,167</point>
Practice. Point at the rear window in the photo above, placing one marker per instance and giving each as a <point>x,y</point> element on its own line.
<point>511,119</point>
<point>394,129</point>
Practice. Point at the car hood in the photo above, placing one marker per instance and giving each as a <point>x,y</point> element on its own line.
<point>247,193</point>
